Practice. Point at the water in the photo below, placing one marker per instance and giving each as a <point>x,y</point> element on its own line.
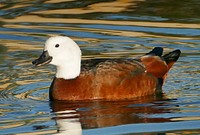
<point>112,28</point>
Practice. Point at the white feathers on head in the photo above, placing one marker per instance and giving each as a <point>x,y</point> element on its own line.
<point>66,56</point>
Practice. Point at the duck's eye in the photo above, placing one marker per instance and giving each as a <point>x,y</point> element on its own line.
<point>57,45</point>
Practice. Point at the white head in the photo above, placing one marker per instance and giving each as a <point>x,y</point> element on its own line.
<point>66,56</point>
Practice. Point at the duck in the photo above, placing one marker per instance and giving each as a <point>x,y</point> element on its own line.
<point>106,78</point>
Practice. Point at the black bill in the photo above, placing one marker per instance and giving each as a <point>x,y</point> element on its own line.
<point>43,59</point>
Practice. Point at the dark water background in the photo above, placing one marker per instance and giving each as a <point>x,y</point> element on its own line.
<point>102,28</point>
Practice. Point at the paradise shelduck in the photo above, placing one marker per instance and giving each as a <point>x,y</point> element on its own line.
<point>108,79</point>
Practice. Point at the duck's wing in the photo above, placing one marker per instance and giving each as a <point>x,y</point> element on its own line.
<point>119,78</point>
<point>105,65</point>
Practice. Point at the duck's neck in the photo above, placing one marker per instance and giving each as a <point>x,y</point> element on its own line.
<point>69,70</point>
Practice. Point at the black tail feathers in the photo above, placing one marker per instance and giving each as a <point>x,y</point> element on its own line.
<point>169,57</point>
<point>157,51</point>
<point>172,56</point>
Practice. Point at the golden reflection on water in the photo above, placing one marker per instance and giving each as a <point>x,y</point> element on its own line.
<point>93,30</point>
<point>48,132</point>
<point>58,1</point>
<point>12,125</point>
<point>100,7</point>
<point>38,19</point>
<point>114,7</point>
<point>14,45</point>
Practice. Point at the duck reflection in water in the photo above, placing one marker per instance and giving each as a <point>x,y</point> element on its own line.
<point>73,116</point>
<point>68,123</point>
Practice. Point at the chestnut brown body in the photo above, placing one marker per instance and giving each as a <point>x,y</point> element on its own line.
<point>115,79</point>
<point>111,80</point>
